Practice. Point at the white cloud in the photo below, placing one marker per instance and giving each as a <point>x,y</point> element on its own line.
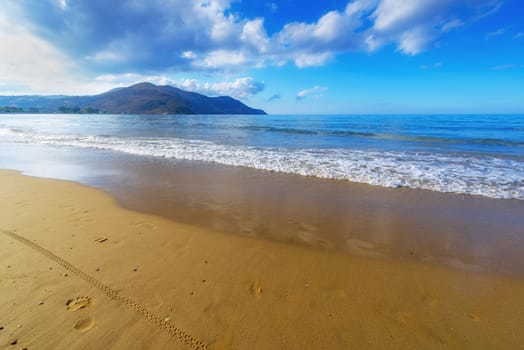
<point>372,42</point>
<point>241,88</point>
<point>356,7</point>
<point>313,44</point>
<point>518,35</point>
<point>335,27</point>
<point>222,30</point>
<point>62,4</point>
<point>311,60</point>
<point>455,23</point>
<point>495,33</point>
<point>253,34</point>
<point>190,55</point>
<point>395,14</point>
<point>412,24</point>
<point>314,92</point>
<point>414,41</point>
<point>329,26</point>
<point>222,59</point>
<point>189,85</point>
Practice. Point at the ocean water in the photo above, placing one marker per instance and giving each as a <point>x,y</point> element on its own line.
<point>469,154</point>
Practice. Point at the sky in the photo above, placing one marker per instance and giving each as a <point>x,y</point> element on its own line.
<point>284,56</point>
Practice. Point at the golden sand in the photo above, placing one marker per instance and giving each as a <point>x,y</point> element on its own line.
<point>79,272</point>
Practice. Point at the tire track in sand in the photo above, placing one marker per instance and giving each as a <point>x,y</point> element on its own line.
<point>175,332</point>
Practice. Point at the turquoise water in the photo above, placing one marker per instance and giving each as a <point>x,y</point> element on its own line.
<point>471,154</point>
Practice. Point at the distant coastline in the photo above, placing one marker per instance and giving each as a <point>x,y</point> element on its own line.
<point>142,98</point>
<point>61,110</point>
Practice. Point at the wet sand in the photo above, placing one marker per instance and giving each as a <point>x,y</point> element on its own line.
<point>78,271</point>
<point>460,231</point>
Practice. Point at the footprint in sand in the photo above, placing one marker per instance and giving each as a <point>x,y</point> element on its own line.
<point>146,224</point>
<point>255,289</point>
<point>78,303</point>
<point>84,324</point>
<point>474,317</point>
<point>307,227</point>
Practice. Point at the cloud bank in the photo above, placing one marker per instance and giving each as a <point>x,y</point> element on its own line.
<point>241,88</point>
<point>152,37</point>
<point>203,34</point>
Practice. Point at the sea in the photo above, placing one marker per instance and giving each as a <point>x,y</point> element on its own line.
<point>468,154</point>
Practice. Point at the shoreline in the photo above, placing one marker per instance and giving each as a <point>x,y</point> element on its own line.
<point>333,147</point>
<point>224,290</point>
<point>457,230</point>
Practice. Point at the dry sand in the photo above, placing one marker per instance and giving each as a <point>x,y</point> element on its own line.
<point>79,272</point>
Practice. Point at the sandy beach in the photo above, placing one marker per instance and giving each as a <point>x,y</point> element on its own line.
<point>261,175</point>
<point>77,271</point>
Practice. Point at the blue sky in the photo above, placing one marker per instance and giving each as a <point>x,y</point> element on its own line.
<point>285,56</point>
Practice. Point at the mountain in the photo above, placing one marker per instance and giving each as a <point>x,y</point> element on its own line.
<point>142,98</point>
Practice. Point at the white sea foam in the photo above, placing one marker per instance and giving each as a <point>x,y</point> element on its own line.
<point>486,176</point>
<point>6,132</point>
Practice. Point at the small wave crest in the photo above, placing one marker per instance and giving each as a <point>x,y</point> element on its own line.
<point>308,132</point>
<point>6,132</point>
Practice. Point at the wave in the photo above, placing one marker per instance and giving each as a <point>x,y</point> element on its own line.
<point>7,132</point>
<point>462,141</point>
<point>476,175</point>
<point>386,136</point>
<point>306,132</point>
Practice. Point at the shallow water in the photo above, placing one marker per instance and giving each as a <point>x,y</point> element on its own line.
<point>470,154</point>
